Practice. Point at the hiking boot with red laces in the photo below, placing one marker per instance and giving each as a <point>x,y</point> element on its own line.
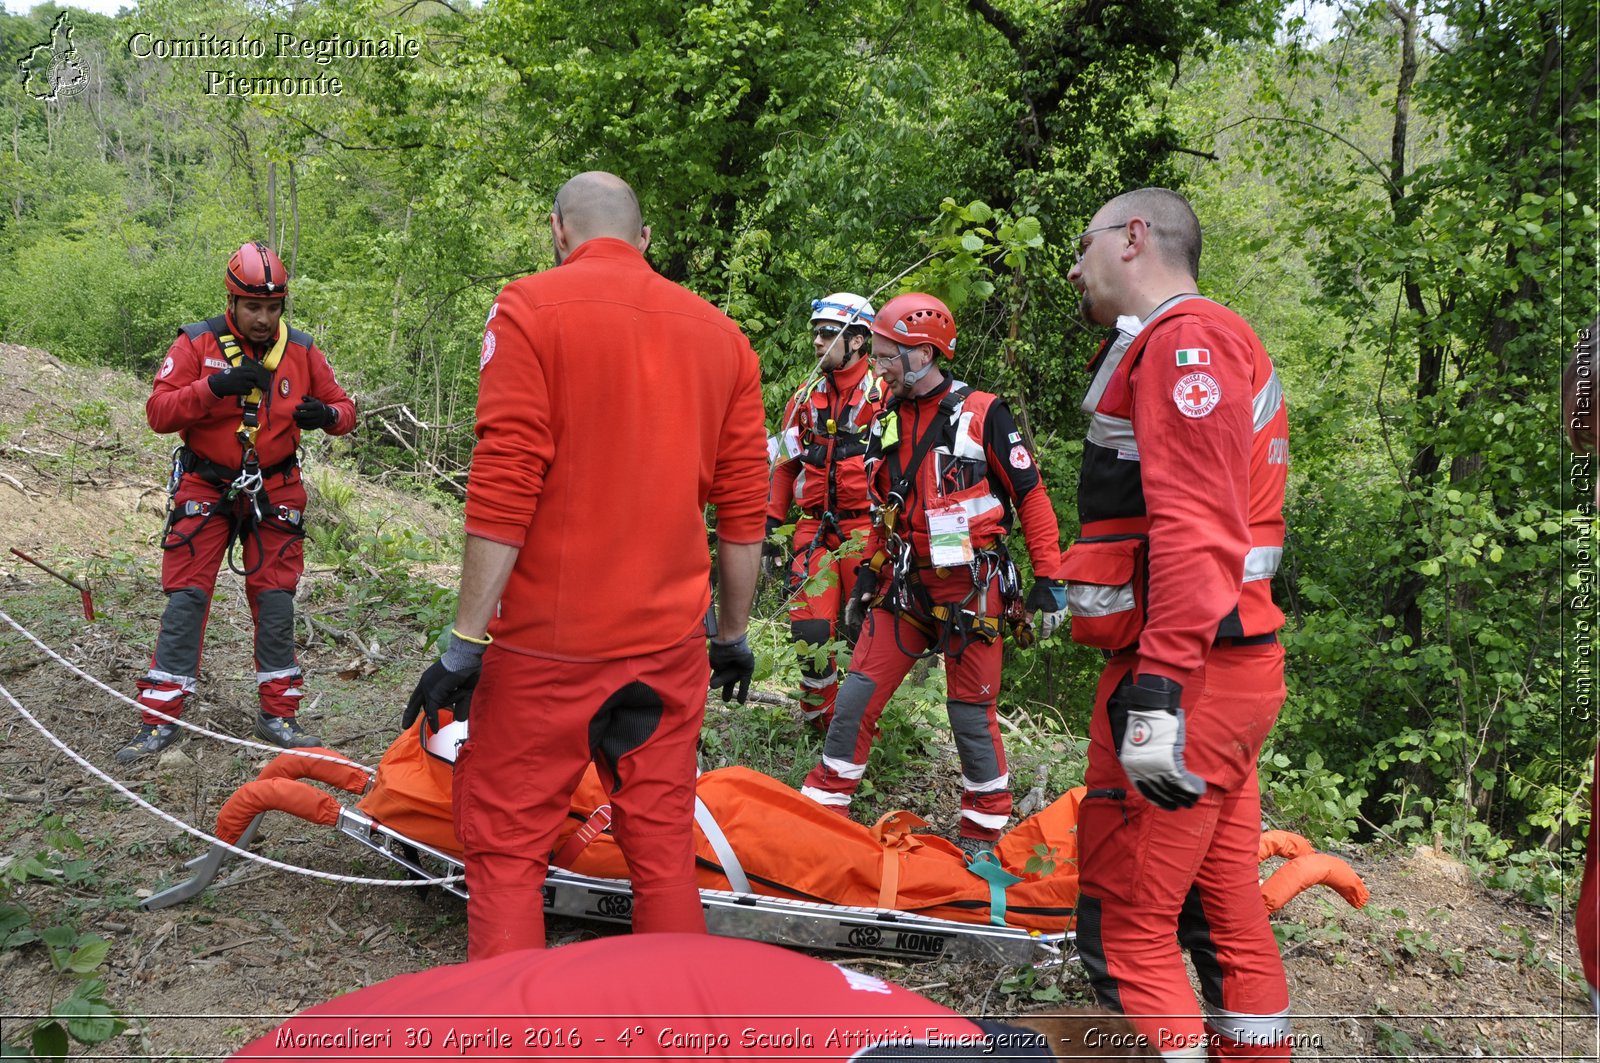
<point>152,738</point>
<point>284,731</point>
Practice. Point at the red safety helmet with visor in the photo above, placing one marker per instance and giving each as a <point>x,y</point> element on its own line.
<point>256,272</point>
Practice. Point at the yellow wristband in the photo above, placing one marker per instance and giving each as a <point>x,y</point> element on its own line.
<point>486,640</point>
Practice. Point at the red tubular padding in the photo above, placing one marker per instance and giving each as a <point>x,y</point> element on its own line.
<point>345,776</point>
<point>269,795</point>
<point>1284,843</point>
<point>1313,869</point>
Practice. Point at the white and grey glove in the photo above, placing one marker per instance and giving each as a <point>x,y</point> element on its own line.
<point>1047,601</point>
<point>1147,727</point>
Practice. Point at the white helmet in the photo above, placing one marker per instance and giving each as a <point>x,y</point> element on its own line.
<point>842,308</point>
<point>444,742</point>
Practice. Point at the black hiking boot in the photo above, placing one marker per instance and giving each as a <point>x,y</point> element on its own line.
<point>152,738</point>
<point>283,731</point>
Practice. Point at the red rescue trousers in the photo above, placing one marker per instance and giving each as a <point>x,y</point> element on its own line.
<point>1155,882</point>
<point>817,578</point>
<point>273,555</point>
<point>536,724</point>
<point>882,657</point>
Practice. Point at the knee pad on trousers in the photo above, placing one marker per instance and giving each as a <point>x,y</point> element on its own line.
<point>183,621</point>
<point>848,712</point>
<point>969,723</point>
<point>275,630</point>
<point>809,636</point>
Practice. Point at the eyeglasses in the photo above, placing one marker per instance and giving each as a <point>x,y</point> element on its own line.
<point>1083,248</point>
<point>826,332</point>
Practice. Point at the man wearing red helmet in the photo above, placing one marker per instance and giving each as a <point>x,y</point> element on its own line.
<point>821,467</point>
<point>1181,499</point>
<point>238,389</point>
<point>948,467</point>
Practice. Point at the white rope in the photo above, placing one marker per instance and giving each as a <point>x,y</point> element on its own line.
<point>186,725</point>
<point>197,832</point>
<point>173,820</point>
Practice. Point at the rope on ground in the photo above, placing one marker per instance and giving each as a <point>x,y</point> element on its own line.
<point>186,725</point>
<point>326,876</point>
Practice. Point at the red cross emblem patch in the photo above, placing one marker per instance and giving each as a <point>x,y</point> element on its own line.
<point>1196,394</point>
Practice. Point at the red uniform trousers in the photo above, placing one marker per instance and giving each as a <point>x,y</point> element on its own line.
<point>193,551</point>
<point>1152,880</point>
<point>882,657</point>
<point>537,722</point>
<point>1588,914</point>
<point>817,579</point>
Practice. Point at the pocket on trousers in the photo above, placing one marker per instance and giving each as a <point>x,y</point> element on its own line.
<point>1105,591</point>
<point>1107,848</point>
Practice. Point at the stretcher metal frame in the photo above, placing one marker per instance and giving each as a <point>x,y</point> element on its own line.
<point>878,932</point>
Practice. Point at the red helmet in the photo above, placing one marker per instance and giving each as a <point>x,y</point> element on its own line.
<point>916,318</point>
<point>256,272</point>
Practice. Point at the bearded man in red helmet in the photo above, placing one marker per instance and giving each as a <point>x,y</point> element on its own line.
<point>948,470</point>
<point>821,468</point>
<point>238,389</point>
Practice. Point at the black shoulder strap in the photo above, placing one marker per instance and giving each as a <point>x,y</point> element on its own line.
<point>952,398</point>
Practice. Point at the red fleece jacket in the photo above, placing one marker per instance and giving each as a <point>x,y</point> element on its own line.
<point>613,406</point>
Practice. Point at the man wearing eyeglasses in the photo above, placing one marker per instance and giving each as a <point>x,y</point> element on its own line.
<point>819,468</point>
<point>1181,499</point>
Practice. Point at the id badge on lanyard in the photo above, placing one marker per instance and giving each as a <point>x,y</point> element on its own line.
<point>949,536</point>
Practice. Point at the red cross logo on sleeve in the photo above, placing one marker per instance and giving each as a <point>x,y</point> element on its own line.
<point>1196,394</point>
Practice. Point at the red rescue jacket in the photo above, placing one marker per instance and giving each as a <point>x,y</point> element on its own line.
<point>182,400</point>
<point>1181,494</point>
<point>823,445</point>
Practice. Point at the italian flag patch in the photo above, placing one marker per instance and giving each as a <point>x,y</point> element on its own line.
<point>1194,356</point>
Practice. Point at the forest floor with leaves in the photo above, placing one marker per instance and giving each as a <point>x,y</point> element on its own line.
<point>1435,966</point>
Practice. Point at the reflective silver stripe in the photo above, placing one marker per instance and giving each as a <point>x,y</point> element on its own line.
<point>1246,1029</point>
<point>157,697</point>
<point>986,820</point>
<point>825,797</point>
<point>187,682</point>
<point>1262,563</point>
<point>843,768</point>
<point>1092,599</point>
<point>967,448</point>
<point>1196,1053</point>
<point>1113,433</point>
<point>800,481</point>
<point>977,507</point>
<point>986,787</point>
<point>1268,401</point>
<point>719,845</point>
<point>282,673</point>
<point>817,682</point>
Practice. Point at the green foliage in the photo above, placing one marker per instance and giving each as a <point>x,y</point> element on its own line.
<point>83,1014</point>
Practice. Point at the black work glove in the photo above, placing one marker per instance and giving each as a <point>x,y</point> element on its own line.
<point>1147,729</point>
<point>241,379</point>
<point>732,667</point>
<point>1047,601</point>
<point>314,413</point>
<point>771,549</point>
<point>449,681</point>
<point>855,607</point>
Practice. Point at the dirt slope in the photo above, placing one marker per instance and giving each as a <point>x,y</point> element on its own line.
<point>1435,966</point>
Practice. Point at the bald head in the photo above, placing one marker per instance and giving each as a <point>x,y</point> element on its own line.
<point>598,204</point>
<point>1176,229</point>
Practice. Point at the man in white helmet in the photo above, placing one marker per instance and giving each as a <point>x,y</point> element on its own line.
<point>818,467</point>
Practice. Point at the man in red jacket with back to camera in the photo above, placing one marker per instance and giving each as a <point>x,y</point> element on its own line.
<point>1181,499</point>
<point>238,389</point>
<point>613,406</point>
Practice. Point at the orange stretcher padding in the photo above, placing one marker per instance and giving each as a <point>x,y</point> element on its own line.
<point>274,795</point>
<point>1313,869</point>
<point>346,775</point>
<point>786,845</point>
